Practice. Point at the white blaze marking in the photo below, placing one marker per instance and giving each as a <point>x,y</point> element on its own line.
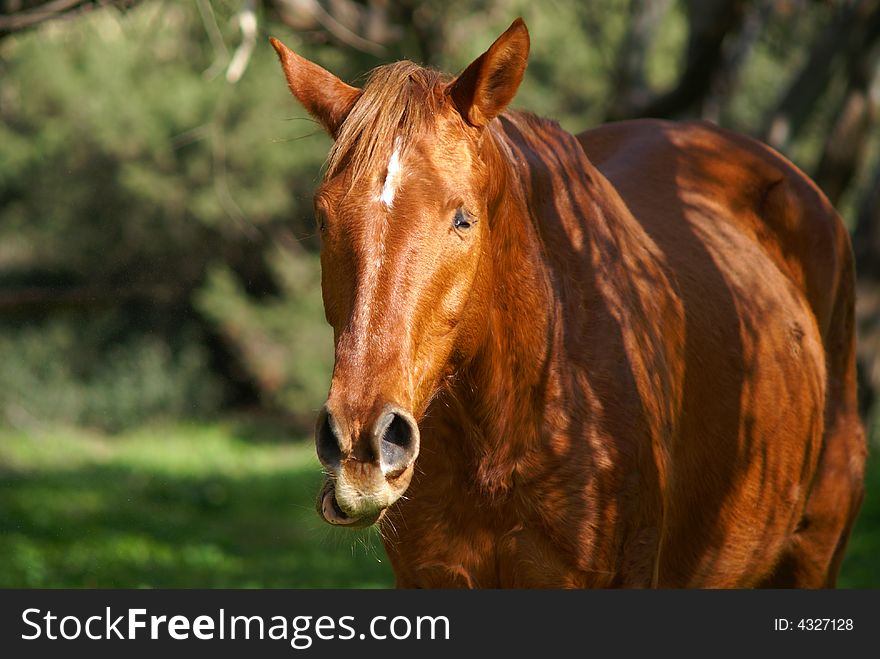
<point>392,178</point>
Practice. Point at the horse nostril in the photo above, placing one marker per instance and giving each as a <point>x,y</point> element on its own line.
<point>327,440</point>
<point>399,443</point>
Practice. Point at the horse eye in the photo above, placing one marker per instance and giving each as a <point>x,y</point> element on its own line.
<point>462,221</point>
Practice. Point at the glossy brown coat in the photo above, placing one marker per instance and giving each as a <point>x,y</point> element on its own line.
<point>632,365</point>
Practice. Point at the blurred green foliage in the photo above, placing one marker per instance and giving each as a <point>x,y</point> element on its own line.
<point>286,346</point>
<point>160,217</point>
<point>74,371</point>
<point>126,175</point>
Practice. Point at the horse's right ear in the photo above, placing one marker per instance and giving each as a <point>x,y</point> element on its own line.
<point>490,82</point>
<point>322,94</point>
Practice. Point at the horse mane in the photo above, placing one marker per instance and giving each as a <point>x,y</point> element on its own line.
<point>399,100</point>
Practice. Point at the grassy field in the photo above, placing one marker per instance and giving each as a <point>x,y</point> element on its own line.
<point>183,506</point>
<point>208,506</point>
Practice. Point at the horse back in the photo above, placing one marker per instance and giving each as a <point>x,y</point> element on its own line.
<point>764,195</point>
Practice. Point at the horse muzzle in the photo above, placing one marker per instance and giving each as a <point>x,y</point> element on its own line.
<point>366,472</point>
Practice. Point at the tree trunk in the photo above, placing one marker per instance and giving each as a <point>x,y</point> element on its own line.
<point>797,105</point>
<point>711,22</point>
<point>848,139</point>
<point>866,245</point>
<point>630,90</point>
<point>734,54</point>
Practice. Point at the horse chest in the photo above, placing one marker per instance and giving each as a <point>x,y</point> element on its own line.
<point>443,543</point>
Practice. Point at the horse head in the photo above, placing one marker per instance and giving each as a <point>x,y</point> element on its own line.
<point>403,213</point>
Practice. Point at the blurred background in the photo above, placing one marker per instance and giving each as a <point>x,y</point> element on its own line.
<point>163,349</point>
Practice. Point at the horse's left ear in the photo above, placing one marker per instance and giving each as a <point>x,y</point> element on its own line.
<point>322,94</point>
<point>490,82</point>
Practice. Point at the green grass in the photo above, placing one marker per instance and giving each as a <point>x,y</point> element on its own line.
<point>182,506</point>
<point>861,567</point>
<point>191,506</point>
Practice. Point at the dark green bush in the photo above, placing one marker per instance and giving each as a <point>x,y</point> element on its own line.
<point>83,369</point>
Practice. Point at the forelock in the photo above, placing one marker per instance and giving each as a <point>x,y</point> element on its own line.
<point>399,103</point>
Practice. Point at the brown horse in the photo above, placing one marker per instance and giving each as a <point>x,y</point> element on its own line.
<point>618,359</point>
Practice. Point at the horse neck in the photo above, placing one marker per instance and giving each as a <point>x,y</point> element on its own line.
<point>501,393</point>
<point>561,239</point>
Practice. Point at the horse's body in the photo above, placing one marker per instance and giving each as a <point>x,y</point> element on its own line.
<point>680,427</point>
<point>651,377</point>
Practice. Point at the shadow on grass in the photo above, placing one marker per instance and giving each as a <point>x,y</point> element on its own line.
<point>111,526</point>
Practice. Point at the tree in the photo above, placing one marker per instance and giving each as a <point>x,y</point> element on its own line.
<point>18,15</point>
